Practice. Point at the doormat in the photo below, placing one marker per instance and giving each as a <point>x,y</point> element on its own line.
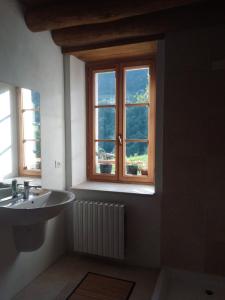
<point>101,287</point>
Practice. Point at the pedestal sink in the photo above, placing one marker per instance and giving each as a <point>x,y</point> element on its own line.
<point>5,190</point>
<point>4,185</point>
<point>36,209</point>
<point>29,216</point>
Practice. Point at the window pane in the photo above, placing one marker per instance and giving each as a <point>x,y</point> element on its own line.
<point>4,104</point>
<point>105,123</point>
<point>32,155</point>
<point>137,159</point>
<point>6,163</point>
<point>105,88</point>
<point>31,99</point>
<point>137,122</point>
<point>5,135</point>
<point>31,121</point>
<point>105,157</point>
<point>137,85</point>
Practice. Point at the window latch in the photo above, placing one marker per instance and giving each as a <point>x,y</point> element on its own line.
<point>120,139</point>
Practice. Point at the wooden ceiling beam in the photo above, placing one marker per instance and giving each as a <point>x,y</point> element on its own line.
<point>56,16</point>
<point>122,52</point>
<point>107,44</point>
<point>140,28</point>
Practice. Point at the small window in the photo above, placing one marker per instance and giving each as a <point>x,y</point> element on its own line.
<point>30,132</point>
<point>121,122</point>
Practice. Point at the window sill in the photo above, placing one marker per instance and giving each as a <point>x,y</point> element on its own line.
<point>116,187</point>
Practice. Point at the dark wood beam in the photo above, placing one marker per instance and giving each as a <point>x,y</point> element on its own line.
<point>36,3</point>
<point>119,42</point>
<point>145,49</point>
<point>139,28</point>
<point>56,16</point>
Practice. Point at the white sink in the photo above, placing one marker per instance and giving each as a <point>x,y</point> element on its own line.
<point>36,209</point>
<point>5,192</point>
<point>4,185</point>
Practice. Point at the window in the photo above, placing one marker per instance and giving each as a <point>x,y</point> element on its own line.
<point>6,156</point>
<point>121,122</point>
<point>29,135</point>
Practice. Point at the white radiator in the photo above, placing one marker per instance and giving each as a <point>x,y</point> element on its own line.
<point>99,228</point>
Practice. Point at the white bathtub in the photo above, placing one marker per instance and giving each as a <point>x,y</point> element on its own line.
<point>183,285</point>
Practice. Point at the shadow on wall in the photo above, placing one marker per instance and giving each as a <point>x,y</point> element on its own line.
<point>17,269</point>
<point>8,253</point>
<point>142,238</point>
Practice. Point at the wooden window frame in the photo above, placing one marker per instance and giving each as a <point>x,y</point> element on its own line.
<point>22,169</point>
<point>120,107</point>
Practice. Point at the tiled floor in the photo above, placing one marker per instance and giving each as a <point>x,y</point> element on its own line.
<point>69,271</point>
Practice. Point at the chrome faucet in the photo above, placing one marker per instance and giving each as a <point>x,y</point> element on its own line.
<point>26,190</point>
<point>14,188</point>
<point>21,194</point>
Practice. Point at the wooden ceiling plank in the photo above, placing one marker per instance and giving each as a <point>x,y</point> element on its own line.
<point>139,27</point>
<point>62,15</point>
<point>107,44</point>
<point>146,49</point>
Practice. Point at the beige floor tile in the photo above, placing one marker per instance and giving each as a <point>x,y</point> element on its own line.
<point>67,272</point>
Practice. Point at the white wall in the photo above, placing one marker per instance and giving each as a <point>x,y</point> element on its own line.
<point>142,225</point>
<point>78,120</point>
<point>193,206</point>
<point>75,120</point>
<point>32,61</point>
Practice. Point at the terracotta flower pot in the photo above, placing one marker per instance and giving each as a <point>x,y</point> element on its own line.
<point>144,172</point>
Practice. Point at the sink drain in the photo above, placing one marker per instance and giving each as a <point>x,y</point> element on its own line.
<point>209,292</point>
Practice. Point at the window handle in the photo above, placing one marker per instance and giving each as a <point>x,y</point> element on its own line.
<point>120,139</point>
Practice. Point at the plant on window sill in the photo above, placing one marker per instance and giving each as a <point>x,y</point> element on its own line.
<point>135,166</point>
<point>106,161</point>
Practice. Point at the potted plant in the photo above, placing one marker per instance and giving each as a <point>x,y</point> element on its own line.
<point>144,171</point>
<point>106,168</point>
<point>132,165</point>
<point>132,169</point>
<point>38,165</point>
<point>105,161</point>
<point>136,167</point>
